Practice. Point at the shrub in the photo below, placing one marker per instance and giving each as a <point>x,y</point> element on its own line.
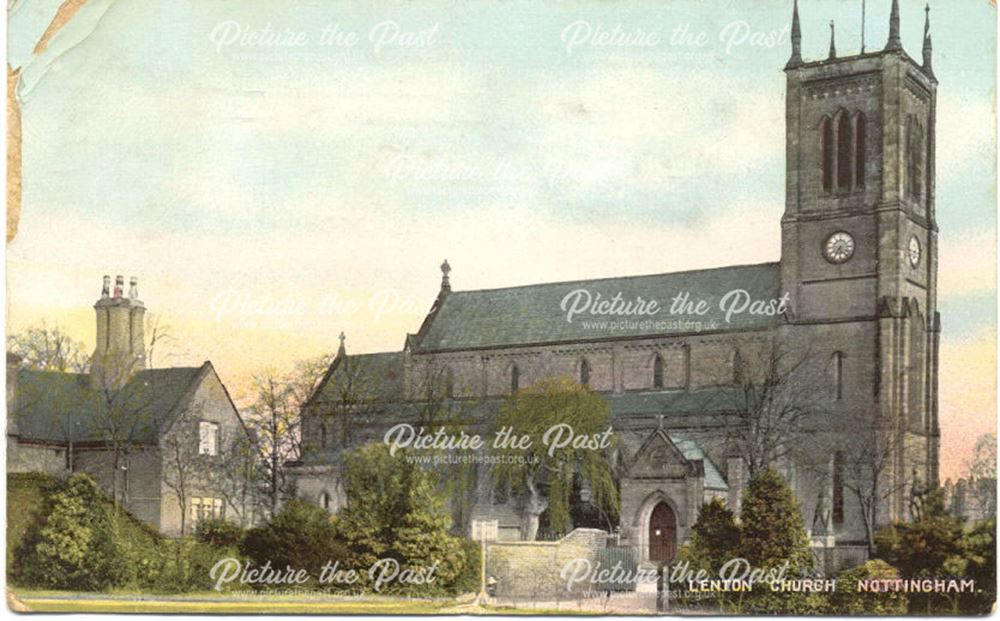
<point>218,533</point>
<point>846,600</point>
<point>75,547</point>
<point>715,537</point>
<point>301,536</point>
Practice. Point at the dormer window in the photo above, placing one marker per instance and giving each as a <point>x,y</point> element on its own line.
<point>208,438</point>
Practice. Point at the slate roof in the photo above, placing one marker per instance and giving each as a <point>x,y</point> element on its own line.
<point>56,407</point>
<point>532,314</point>
<point>713,478</point>
<point>376,376</point>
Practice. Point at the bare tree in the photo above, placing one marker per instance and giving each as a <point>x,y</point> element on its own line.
<point>983,475</point>
<point>44,348</point>
<point>183,467</point>
<point>777,392</point>
<point>276,423</point>
<point>869,455</point>
<point>235,477</point>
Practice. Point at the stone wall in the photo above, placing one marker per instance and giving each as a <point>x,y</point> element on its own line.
<point>531,569</point>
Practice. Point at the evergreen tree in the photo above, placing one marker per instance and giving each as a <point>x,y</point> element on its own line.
<point>715,537</point>
<point>394,510</point>
<point>772,528</point>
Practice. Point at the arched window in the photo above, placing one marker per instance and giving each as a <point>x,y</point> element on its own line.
<point>837,369</point>
<point>844,136</point>
<point>515,379</point>
<point>859,150</point>
<point>914,157</point>
<point>584,372</point>
<point>322,435</point>
<point>658,371</point>
<point>826,152</point>
<point>737,367</point>
<point>838,488</point>
<point>449,382</point>
<point>324,500</point>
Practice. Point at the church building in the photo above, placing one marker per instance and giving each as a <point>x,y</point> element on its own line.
<point>843,329</point>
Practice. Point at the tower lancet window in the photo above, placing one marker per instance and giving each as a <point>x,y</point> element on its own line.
<point>842,140</point>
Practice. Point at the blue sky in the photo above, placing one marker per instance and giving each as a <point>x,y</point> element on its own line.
<point>266,194</point>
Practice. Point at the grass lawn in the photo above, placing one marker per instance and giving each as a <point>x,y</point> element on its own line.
<point>25,600</point>
<point>54,601</point>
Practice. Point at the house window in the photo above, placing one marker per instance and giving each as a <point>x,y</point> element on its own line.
<point>208,438</point>
<point>837,368</point>
<point>838,488</point>
<point>206,508</point>
<point>515,379</point>
<point>584,372</point>
<point>658,372</point>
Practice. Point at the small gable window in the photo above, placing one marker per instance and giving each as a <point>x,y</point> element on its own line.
<point>208,438</point>
<point>658,371</point>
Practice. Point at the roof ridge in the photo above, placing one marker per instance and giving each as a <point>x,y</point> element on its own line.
<point>635,276</point>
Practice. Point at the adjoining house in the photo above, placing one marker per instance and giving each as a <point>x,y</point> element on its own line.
<point>855,288</point>
<point>126,425</point>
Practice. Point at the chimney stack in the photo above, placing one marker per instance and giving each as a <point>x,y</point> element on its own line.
<point>120,350</point>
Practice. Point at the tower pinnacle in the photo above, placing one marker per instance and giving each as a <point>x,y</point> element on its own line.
<point>833,43</point>
<point>894,42</point>
<point>927,40</point>
<point>796,58</point>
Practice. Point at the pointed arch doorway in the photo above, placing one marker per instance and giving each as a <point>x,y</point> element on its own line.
<point>662,533</point>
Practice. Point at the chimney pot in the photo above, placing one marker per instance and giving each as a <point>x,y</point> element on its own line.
<point>119,285</point>
<point>106,288</point>
<point>133,288</point>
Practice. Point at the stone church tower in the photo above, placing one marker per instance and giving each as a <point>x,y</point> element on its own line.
<point>859,239</point>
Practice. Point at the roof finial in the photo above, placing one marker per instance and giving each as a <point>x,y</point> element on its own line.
<point>833,44</point>
<point>659,422</point>
<point>796,58</point>
<point>445,282</point>
<point>894,42</point>
<point>927,40</point>
<point>342,350</point>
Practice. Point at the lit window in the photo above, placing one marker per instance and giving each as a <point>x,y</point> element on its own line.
<point>208,438</point>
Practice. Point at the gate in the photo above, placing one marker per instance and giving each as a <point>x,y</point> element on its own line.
<point>622,580</point>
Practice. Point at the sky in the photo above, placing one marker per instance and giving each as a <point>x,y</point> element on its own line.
<point>276,173</point>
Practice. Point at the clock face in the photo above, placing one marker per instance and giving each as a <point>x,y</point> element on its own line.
<point>839,247</point>
<point>914,251</point>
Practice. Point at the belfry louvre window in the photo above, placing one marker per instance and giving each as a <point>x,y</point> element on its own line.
<point>842,141</point>
<point>826,153</point>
